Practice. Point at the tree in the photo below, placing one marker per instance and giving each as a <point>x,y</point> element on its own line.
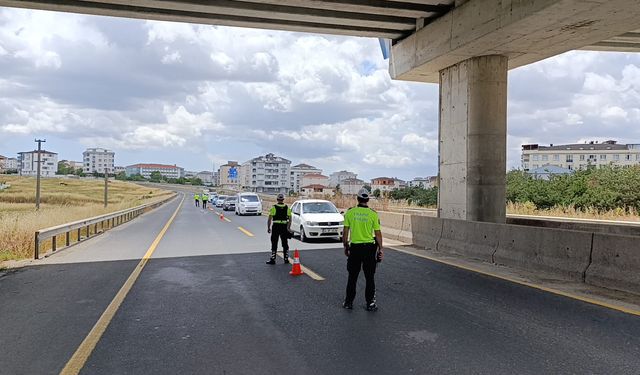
<point>121,176</point>
<point>155,176</point>
<point>376,193</point>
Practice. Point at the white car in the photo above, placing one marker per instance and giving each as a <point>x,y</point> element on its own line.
<point>316,218</point>
<point>220,200</point>
<point>248,204</point>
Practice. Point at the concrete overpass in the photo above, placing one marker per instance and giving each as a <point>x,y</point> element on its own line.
<point>467,46</point>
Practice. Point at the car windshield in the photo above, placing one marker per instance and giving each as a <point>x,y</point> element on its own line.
<point>319,208</point>
<point>230,199</point>
<point>249,198</point>
<point>222,197</point>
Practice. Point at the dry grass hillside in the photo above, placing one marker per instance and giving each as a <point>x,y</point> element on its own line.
<point>62,201</point>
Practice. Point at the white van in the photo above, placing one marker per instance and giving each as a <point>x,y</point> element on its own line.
<point>248,204</point>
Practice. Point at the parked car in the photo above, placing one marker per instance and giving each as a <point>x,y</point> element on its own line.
<point>213,197</point>
<point>248,203</point>
<point>220,200</point>
<point>229,203</point>
<point>316,218</point>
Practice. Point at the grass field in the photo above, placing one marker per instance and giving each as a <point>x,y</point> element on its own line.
<point>61,201</point>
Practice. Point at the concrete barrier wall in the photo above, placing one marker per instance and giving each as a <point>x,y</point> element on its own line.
<point>426,232</point>
<point>470,239</point>
<point>391,224</point>
<point>627,229</point>
<point>554,251</point>
<point>615,262</point>
<point>605,260</point>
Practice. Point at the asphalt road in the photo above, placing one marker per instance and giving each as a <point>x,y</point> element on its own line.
<point>206,303</point>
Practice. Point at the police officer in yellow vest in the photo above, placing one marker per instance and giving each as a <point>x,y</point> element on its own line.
<point>197,198</point>
<point>205,199</point>
<point>280,216</point>
<point>362,242</point>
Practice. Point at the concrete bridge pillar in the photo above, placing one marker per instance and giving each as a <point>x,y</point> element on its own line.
<point>473,140</point>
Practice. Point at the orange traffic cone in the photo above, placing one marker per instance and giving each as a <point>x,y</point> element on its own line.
<point>221,216</point>
<point>296,270</point>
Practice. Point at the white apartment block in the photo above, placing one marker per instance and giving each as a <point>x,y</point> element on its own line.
<point>96,160</point>
<point>269,174</point>
<point>11,164</point>
<point>351,186</point>
<point>336,178</point>
<point>424,182</point>
<point>297,172</point>
<point>580,156</point>
<point>28,163</point>
<point>145,170</point>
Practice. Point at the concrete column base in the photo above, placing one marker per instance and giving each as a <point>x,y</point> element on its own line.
<point>473,140</point>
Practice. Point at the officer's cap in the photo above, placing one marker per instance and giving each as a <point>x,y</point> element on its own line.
<point>280,196</point>
<point>363,193</point>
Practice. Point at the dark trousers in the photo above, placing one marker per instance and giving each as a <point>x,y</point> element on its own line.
<point>197,202</point>
<point>279,231</point>
<point>362,256</point>
<point>204,204</point>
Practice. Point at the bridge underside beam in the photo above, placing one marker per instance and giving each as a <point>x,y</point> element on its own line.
<point>369,18</point>
<point>523,31</point>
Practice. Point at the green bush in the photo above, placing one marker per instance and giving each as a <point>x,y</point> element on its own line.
<point>606,188</point>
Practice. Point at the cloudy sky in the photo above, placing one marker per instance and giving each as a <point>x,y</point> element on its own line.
<point>197,96</point>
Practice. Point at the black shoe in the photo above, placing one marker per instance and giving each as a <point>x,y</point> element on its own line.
<point>372,307</point>
<point>347,305</point>
<point>286,260</point>
<point>271,261</point>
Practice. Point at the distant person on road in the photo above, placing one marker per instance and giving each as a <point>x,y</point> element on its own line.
<point>280,216</point>
<point>362,242</point>
<point>197,198</point>
<point>205,198</point>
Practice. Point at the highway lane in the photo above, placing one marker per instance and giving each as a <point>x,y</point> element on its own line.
<point>207,303</point>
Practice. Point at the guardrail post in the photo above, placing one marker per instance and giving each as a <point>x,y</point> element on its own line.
<point>36,251</point>
<point>67,239</point>
<point>54,243</point>
<point>79,234</point>
<point>88,231</point>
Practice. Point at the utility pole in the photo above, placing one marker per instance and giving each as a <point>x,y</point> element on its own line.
<point>106,186</point>
<point>40,141</point>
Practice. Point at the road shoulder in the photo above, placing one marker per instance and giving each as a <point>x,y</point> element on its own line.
<point>613,299</point>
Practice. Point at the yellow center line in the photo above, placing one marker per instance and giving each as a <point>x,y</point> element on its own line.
<point>245,231</point>
<point>306,270</point>
<point>525,283</point>
<point>79,358</point>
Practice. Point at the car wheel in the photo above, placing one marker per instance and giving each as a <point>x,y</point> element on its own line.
<point>303,236</point>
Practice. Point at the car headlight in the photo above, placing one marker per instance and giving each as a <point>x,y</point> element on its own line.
<point>312,223</point>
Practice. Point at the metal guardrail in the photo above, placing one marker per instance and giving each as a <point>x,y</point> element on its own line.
<point>84,227</point>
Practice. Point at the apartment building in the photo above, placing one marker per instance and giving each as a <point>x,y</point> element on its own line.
<point>386,184</point>
<point>11,164</point>
<point>269,174</point>
<point>229,175</point>
<point>424,182</point>
<point>96,160</point>
<point>297,172</point>
<point>314,179</point>
<point>145,170</point>
<point>336,178</point>
<point>580,156</point>
<point>351,186</point>
<point>206,177</point>
<point>28,163</point>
